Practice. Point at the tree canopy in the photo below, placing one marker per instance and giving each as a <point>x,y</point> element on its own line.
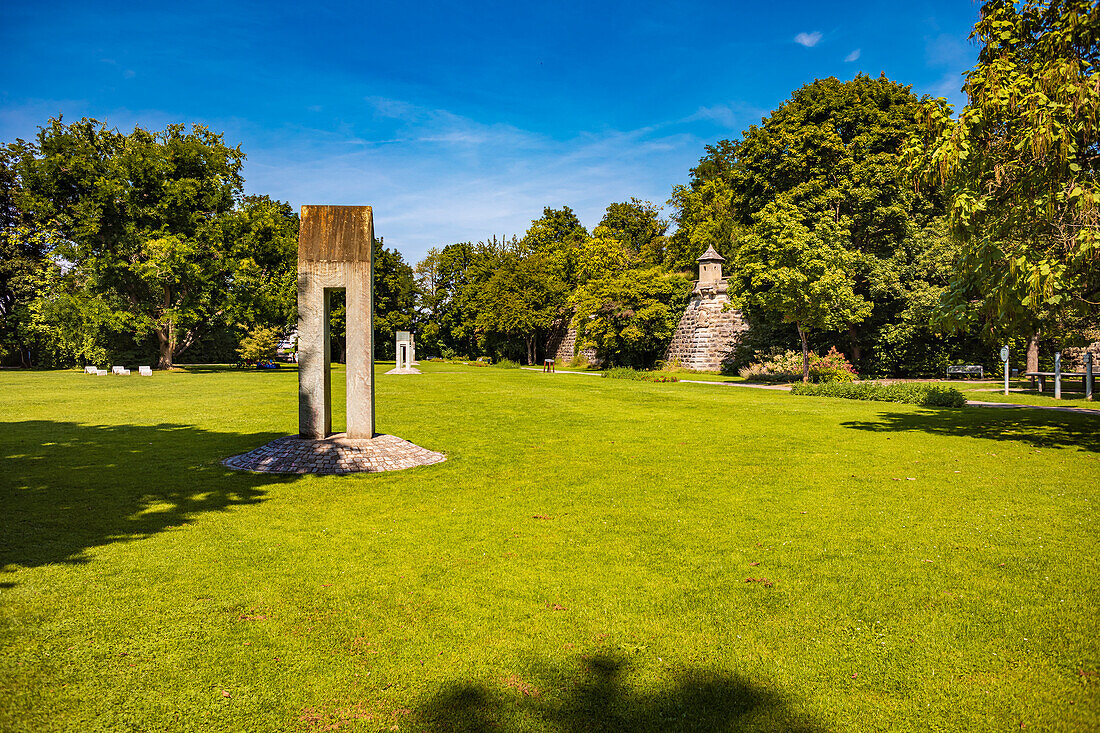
<point>1020,167</point>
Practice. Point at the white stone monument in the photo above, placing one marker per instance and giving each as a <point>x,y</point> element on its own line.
<point>406,354</point>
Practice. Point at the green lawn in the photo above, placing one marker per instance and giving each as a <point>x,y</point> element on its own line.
<point>579,562</point>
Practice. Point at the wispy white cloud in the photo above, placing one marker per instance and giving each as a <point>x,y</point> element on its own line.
<point>733,116</point>
<point>442,177</point>
<point>435,177</point>
<point>853,56</point>
<point>809,40</point>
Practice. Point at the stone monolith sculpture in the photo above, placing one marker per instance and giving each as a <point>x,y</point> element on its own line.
<point>335,251</point>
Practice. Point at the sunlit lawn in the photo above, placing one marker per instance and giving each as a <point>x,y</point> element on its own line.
<point>594,554</point>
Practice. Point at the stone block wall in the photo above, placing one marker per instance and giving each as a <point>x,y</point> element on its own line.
<point>562,344</point>
<point>1073,358</point>
<point>706,336</point>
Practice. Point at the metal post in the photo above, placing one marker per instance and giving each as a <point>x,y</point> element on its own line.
<point>1004,358</point>
<point>1057,375</point>
<point>1006,378</point>
<point>1088,375</point>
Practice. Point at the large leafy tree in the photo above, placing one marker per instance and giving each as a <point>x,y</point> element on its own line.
<point>831,154</point>
<point>261,239</point>
<point>639,227</point>
<point>558,233</point>
<point>1020,169</point>
<point>142,219</point>
<point>628,317</point>
<point>803,276</point>
<point>24,250</point>
<point>522,298</point>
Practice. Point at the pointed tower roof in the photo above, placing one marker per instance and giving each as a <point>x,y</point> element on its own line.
<point>711,256</point>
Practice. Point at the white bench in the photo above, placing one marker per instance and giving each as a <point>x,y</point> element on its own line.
<point>145,371</point>
<point>90,370</point>
<point>101,372</point>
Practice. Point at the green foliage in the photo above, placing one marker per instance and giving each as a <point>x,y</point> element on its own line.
<point>638,226</point>
<point>913,393</point>
<point>1020,168</point>
<point>522,297</point>
<point>507,364</point>
<point>830,157</point>
<point>637,375</point>
<point>260,344</point>
<point>141,219</point>
<point>787,367</point>
<point>629,318</point>
<point>805,277</point>
<point>262,237</point>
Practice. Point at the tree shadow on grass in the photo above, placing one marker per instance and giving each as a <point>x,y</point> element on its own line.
<point>600,701</point>
<point>66,488</point>
<point>1040,428</point>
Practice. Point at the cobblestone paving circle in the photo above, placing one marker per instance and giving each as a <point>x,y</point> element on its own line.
<point>336,454</point>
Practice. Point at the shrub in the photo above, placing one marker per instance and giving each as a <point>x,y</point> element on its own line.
<point>926,395</point>
<point>259,345</point>
<point>507,364</point>
<point>579,361</point>
<point>639,376</point>
<point>787,367</point>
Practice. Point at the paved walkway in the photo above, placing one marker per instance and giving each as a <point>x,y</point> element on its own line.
<point>969,403</point>
<point>787,388</point>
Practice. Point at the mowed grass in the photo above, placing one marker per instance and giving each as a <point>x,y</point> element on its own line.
<point>581,561</point>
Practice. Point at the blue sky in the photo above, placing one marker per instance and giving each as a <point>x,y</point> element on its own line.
<point>460,120</point>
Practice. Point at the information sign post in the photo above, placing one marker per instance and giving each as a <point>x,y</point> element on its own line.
<point>1004,358</point>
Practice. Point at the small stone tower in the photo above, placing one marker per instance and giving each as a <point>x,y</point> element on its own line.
<point>708,330</point>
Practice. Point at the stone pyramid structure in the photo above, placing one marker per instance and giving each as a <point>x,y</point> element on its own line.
<point>709,329</point>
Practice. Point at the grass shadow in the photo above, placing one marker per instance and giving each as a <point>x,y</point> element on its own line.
<point>598,700</point>
<point>1039,428</point>
<point>67,487</point>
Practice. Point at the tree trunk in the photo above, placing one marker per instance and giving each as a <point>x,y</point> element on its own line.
<point>805,354</point>
<point>166,341</point>
<point>531,350</point>
<point>857,353</point>
<point>1033,352</point>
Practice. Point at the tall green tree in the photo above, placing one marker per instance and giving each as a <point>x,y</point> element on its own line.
<point>522,298</point>
<point>629,317</point>
<point>261,236</point>
<point>804,277</point>
<point>830,154</point>
<point>558,233</point>
<point>24,249</point>
<point>141,216</point>
<point>394,297</point>
<point>1020,169</point>
<point>639,227</point>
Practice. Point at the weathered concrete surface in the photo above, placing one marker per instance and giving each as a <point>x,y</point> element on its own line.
<point>335,251</point>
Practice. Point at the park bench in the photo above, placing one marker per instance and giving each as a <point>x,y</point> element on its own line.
<point>965,370</point>
<point>145,371</point>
